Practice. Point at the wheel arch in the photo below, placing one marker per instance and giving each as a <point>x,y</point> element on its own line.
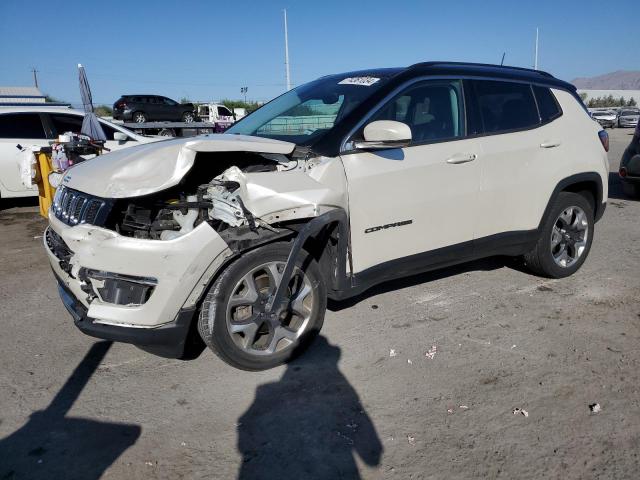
<point>581,183</point>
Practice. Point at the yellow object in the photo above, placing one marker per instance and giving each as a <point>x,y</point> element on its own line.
<point>45,190</point>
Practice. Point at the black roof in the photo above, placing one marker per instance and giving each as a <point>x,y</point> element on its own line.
<point>468,69</point>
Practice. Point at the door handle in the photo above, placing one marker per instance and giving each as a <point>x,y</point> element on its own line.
<point>549,144</point>
<point>462,158</point>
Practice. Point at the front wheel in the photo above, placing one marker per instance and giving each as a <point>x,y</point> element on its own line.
<point>565,239</point>
<point>233,321</point>
<point>188,117</point>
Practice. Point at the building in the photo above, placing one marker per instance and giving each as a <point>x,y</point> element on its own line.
<point>21,95</point>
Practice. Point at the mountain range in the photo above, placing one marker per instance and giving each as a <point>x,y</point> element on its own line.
<point>620,80</point>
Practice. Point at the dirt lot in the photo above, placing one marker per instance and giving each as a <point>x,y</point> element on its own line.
<point>76,408</point>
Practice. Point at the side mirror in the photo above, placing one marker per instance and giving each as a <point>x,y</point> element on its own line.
<point>120,137</point>
<point>385,134</point>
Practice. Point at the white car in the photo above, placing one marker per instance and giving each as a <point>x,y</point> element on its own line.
<point>237,240</point>
<point>38,125</point>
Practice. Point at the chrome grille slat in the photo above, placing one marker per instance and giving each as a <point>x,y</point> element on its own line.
<point>73,208</point>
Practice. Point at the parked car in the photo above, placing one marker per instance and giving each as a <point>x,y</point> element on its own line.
<point>39,125</point>
<point>628,118</point>
<point>630,166</point>
<point>148,108</point>
<point>237,240</point>
<point>218,114</point>
<point>606,118</point>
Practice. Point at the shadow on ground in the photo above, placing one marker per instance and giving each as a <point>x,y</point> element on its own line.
<point>310,424</point>
<point>484,265</point>
<point>54,446</point>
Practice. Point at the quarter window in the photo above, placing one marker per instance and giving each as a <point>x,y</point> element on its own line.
<point>547,104</point>
<point>21,125</point>
<point>432,110</point>
<point>506,106</point>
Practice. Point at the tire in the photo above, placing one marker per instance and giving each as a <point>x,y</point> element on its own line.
<point>188,117</point>
<point>569,213</point>
<point>139,117</point>
<point>257,345</point>
<point>631,190</point>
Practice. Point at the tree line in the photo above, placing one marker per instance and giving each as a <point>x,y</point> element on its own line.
<point>608,101</point>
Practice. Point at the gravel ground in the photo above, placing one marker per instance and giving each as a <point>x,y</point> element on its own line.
<point>74,408</point>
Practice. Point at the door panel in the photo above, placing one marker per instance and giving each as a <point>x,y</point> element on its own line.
<point>420,198</point>
<point>414,184</point>
<point>517,155</point>
<point>25,129</point>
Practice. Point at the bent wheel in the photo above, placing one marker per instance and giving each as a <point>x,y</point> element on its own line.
<point>234,321</point>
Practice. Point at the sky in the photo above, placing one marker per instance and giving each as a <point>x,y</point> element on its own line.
<point>208,50</point>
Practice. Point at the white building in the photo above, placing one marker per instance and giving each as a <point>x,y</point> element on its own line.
<point>20,95</point>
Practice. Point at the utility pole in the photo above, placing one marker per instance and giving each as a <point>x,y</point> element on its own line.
<point>535,62</point>
<point>35,76</point>
<point>286,52</point>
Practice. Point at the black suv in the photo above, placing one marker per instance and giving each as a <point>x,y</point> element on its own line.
<point>146,108</point>
<point>630,166</point>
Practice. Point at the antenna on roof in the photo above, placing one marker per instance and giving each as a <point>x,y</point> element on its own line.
<point>502,61</point>
<point>535,61</point>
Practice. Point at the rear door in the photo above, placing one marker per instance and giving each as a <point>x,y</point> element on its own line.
<point>422,199</point>
<point>517,156</point>
<point>25,129</point>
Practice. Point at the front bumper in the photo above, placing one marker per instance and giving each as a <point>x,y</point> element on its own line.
<point>181,268</point>
<point>173,340</point>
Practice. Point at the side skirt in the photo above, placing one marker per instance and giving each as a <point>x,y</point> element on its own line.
<point>508,243</point>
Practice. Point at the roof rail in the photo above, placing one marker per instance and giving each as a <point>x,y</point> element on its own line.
<point>470,64</point>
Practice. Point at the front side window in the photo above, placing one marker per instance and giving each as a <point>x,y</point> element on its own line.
<point>433,110</point>
<point>306,113</point>
<point>506,106</point>
<point>21,125</point>
<point>224,112</point>
<point>168,101</point>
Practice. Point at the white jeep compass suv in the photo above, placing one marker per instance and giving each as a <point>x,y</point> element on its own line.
<point>237,240</point>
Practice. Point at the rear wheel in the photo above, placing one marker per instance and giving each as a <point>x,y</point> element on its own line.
<point>233,321</point>
<point>565,239</point>
<point>139,117</point>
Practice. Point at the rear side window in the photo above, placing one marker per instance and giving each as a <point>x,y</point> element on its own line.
<point>547,104</point>
<point>21,125</point>
<point>506,106</point>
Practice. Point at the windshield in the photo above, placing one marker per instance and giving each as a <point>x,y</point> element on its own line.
<point>309,111</point>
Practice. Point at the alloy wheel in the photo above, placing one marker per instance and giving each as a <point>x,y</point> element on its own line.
<point>253,329</point>
<point>569,236</point>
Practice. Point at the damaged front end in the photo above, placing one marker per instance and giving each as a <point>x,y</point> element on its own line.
<point>138,249</point>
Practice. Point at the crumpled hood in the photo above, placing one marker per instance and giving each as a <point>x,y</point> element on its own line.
<point>153,167</point>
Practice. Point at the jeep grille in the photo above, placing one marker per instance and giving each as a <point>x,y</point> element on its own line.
<point>73,207</point>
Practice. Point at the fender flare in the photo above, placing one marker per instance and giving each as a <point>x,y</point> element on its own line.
<point>590,177</point>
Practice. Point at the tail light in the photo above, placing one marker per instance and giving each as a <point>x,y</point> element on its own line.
<point>604,138</point>
<point>622,172</point>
